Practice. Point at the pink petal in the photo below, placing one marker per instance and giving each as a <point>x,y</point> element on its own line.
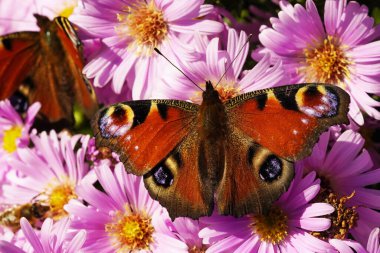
<point>9,248</point>
<point>373,244</point>
<point>111,186</point>
<point>205,27</point>
<point>77,242</point>
<point>31,235</point>
<point>311,224</point>
<point>96,198</point>
<point>365,52</point>
<point>177,10</point>
<point>317,209</point>
<point>32,112</point>
<point>333,13</point>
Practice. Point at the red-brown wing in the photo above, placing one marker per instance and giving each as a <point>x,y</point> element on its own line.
<point>253,177</point>
<point>18,54</point>
<point>159,139</point>
<point>48,67</point>
<point>144,132</point>
<point>177,182</point>
<point>288,120</point>
<point>72,47</point>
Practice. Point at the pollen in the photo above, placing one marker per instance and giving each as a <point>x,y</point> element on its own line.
<point>10,138</point>
<point>196,249</point>
<point>145,24</point>
<point>227,92</point>
<point>272,227</point>
<point>326,63</point>
<point>58,197</point>
<point>130,231</point>
<point>342,219</point>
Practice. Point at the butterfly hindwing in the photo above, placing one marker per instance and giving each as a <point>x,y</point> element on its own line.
<point>254,177</point>
<point>177,181</point>
<point>288,120</point>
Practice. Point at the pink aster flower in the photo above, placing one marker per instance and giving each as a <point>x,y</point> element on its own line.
<point>373,245</point>
<point>181,236</point>
<point>122,218</point>
<point>284,229</point>
<point>341,51</point>
<point>211,62</point>
<point>14,130</point>
<point>346,170</point>
<point>47,173</point>
<point>52,238</point>
<point>130,30</point>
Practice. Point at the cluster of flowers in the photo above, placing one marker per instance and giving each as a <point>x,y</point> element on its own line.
<point>95,206</point>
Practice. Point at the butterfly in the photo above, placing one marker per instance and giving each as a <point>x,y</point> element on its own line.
<point>46,66</point>
<point>238,153</point>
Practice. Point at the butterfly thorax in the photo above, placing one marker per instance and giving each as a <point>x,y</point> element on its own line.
<point>213,131</point>
<point>49,40</point>
<point>212,115</point>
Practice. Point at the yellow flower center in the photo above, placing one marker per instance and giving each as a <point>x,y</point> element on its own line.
<point>196,249</point>
<point>145,24</point>
<point>10,138</point>
<point>68,8</point>
<point>226,92</point>
<point>272,227</point>
<point>326,63</point>
<point>58,197</point>
<point>130,231</point>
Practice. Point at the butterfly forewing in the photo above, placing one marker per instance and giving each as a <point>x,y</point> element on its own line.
<point>254,177</point>
<point>144,132</point>
<point>289,119</point>
<point>17,55</point>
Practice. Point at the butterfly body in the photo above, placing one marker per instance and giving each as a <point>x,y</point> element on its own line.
<point>237,153</point>
<point>46,66</point>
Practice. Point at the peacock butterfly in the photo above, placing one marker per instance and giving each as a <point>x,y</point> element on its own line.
<point>46,66</point>
<point>238,153</point>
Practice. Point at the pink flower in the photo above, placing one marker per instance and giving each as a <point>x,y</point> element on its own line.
<point>340,51</point>
<point>181,236</point>
<point>285,229</point>
<point>52,238</point>
<point>346,170</point>
<point>123,217</point>
<point>373,245</point>
<point>210,63</point>
<point>130,30</point>
<point>14,130</point>
<point>47,173</point>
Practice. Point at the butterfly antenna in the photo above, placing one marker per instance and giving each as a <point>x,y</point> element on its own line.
<point>230,65</point>
<point>183,73</point>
